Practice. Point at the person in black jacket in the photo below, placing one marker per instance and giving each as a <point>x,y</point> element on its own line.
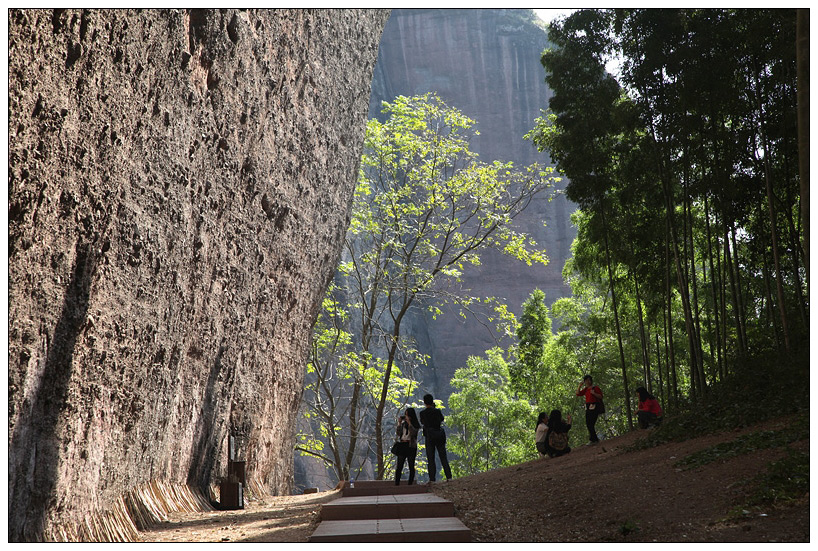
<point>407,434</point>
<point>431,418</point>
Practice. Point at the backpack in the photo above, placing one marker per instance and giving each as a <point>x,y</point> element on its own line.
<point>558,441</point>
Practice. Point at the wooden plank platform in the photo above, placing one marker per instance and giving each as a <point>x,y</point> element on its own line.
<point>387,506</point>
<point>444,530</point>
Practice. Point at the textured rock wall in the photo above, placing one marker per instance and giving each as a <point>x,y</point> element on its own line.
<point>485,62</point>
<point>179,187</point>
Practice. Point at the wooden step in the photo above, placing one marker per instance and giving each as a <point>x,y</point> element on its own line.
<point>389,513</point>
<point>383,487</point>
<point>444,530</point>
<point>373,483</point>
<point>387,506</point>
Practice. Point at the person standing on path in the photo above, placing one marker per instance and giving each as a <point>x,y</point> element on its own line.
<point>431,418</point>
<point>593,405</point>
<point>407,435</point>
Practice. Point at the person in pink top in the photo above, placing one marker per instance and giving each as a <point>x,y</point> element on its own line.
<point>649,413</point>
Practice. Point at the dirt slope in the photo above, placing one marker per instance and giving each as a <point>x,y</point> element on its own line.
<point>593,494</point>
<point>597,492</point>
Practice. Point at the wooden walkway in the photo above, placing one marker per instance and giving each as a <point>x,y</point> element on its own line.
<point>379,511</point>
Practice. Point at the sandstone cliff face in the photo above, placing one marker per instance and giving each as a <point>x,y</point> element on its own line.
<point>487,64</point>
<point>179,187</point>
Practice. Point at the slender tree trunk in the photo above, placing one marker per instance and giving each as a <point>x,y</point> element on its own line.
<point>779,280</point>
<point>742,313</point>
<point>795,247</point>
<point>769,304</point>
<point>794,229</point>
<point>643,338</point>
<point>616,316</point>
<point>387,377</point>
<point>668,317</point>
<point>659,370</point>
<point>802,64</point>
<point>353,430</point>
<point>341,467</point>
<point>683,288</point>
<point>722,268</point>
<point>714,289</point>
<point>647,358</point>
<point>695,306</point>
<point>728,265</point>
<point>695,386</point>
<point>709,321</point>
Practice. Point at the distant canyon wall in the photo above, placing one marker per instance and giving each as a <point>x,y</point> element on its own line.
<point>486,63</point>
<point>179,188</point>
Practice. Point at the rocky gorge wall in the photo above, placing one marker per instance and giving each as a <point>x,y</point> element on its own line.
<point>179,188</point>
<point>486,63</point>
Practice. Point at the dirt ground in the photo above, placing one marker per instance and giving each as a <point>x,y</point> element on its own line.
<point>271,519</point>
<point>594,494</point>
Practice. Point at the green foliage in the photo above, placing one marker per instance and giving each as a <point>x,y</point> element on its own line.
<point>425,210</point>
<point>628,527</point>
<point>533,333</point>
<point>341,385</point>
<point>496,402</point>
<point>488,427</point>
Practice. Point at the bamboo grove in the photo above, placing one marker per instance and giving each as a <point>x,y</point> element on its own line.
<point>687,173</point>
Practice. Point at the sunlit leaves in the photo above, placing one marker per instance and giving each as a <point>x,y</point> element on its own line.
<point>425,209</point>
<point>489,427</point>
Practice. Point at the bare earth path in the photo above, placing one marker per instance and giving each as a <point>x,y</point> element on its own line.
<point>594,494</point>
<point>273,519</point>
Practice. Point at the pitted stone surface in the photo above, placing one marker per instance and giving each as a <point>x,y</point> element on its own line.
<point>179,187</point>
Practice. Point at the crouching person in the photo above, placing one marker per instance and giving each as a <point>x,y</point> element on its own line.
<point>556,439</point>
<point>649,413</point>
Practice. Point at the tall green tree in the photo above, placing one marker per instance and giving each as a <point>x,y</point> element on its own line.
<point>684,169</point>
<point>581,135</point>
<point>340,391</point>
<point>488,426</point>
<point>425,209</point>
<point>526,374</point>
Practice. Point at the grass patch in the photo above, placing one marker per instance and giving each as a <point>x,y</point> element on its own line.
<point>628,527</point>
<point>785,481</point>
<point>748,443</point>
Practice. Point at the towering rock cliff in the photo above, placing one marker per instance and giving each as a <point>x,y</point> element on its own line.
<point>485,62</point>
<point>179,187</point>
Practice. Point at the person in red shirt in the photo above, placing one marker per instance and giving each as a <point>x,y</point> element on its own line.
<point>649,413</point>
<point>593,404</point>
